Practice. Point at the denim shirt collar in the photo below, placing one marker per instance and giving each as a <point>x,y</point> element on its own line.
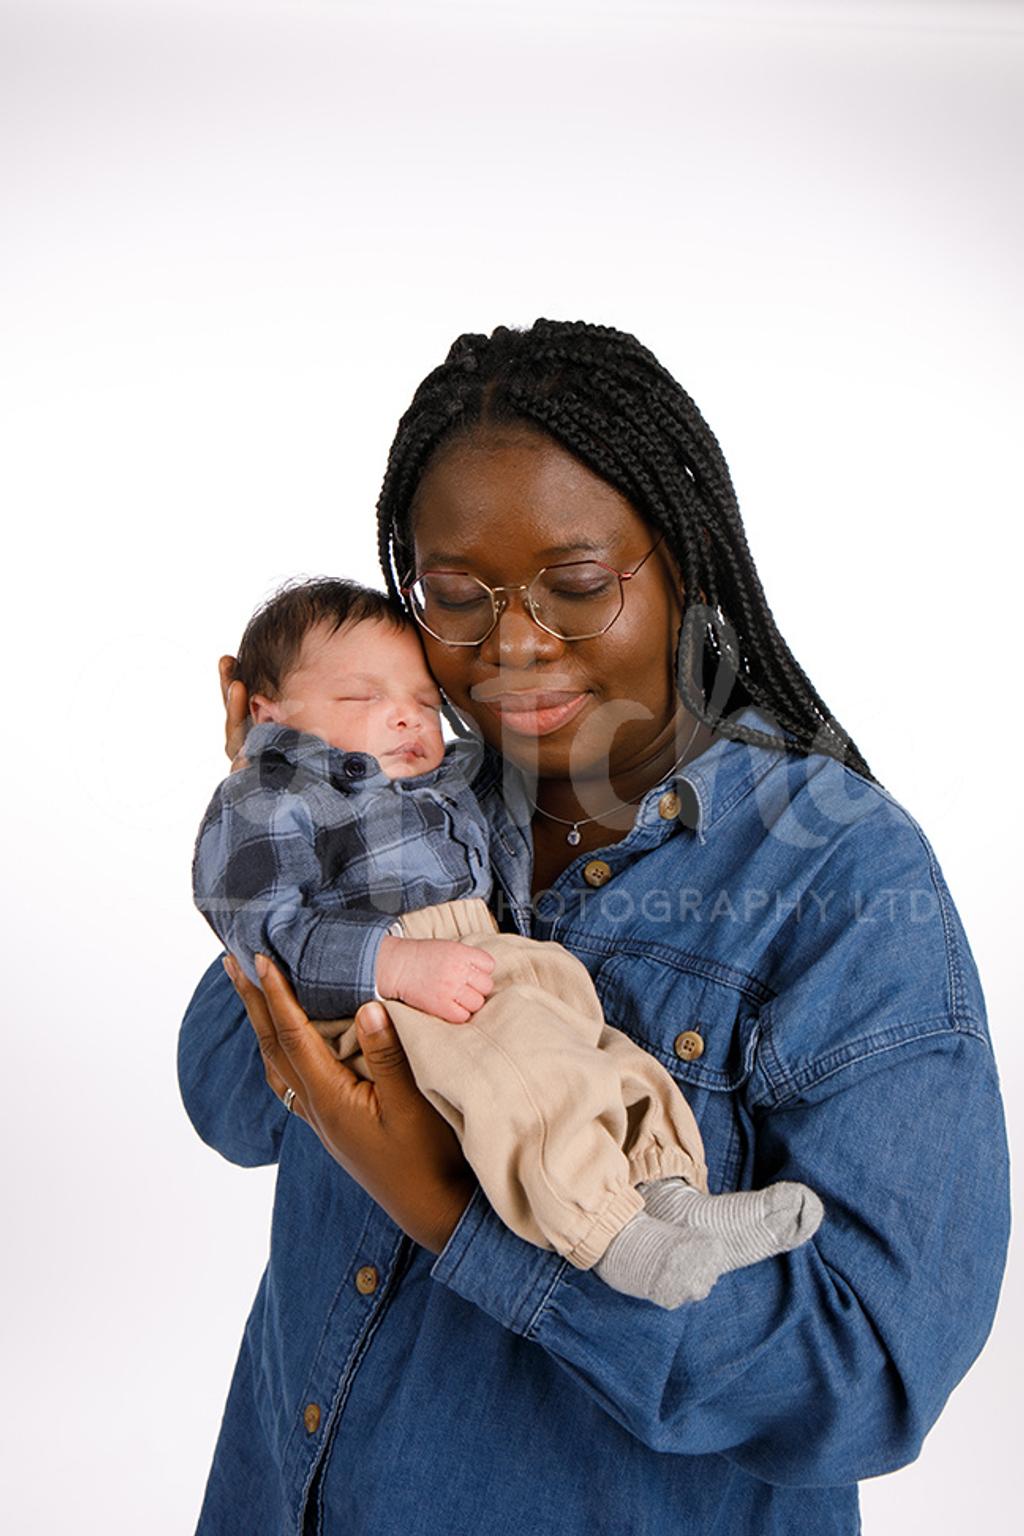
<point>724,774</point>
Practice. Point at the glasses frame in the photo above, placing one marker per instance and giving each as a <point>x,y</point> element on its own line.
<point>499,605</point>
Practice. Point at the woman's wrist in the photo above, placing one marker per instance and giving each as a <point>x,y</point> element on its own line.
<point>456,1208</point>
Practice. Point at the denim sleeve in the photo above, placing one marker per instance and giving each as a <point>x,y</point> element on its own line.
<point>828,1364</point>
<point>221,1077</point>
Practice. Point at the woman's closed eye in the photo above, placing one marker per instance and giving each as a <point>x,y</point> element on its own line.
<point>585,589</point>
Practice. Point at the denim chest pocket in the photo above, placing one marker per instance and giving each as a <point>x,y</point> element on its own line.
<point>702,1024</point>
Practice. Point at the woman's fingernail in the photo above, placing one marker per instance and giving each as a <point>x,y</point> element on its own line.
<point>373,1021</point>
<point>228,695</point>
<point>230,967</point>
<point>261,965</point>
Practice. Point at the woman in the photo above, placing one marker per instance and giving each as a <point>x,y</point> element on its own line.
<point>672,800</point>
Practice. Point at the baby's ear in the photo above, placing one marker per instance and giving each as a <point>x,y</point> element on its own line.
<point>261,708</point>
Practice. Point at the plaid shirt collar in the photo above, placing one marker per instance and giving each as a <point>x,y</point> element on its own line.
<point>348,771</point>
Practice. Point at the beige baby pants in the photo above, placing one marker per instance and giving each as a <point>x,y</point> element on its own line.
<point>559,1115</point>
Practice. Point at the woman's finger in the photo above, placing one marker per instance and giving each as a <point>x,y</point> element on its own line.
<point>226,667</point>
<point>274,1061</point>
<point>383,1050</point>
<point>303,1055</point>
<point>279,1087</point>
<point>236,703</point>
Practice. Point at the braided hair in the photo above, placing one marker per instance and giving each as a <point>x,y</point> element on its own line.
<point>607,400</point>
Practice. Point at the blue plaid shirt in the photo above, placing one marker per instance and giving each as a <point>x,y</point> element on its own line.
<point>310,853</point>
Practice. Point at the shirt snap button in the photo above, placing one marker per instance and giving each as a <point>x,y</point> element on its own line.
<point>597,872</point>
<point>355,767</point>
<point>311,1418</point>
<point>688,1045</point>
<point>366,1279</point>
<point>668,806</point>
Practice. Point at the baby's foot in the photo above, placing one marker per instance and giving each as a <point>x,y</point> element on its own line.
<point>675,1249</point>
<point>657,1261</point>
<point>747,1226</point>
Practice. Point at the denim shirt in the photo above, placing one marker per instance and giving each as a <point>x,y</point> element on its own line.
<point>777,932</point>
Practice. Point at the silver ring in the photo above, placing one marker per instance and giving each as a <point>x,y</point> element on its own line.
<point>286,1099</point>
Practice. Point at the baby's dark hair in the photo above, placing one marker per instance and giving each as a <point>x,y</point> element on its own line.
<point>273,636</point>
<point>604,397</point>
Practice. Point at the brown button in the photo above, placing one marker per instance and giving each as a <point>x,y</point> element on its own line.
<point>311,1418</point>
<point>688,1045</point>
<point>366,1279</point>
<point>597,872</point>
<point>668,806</point>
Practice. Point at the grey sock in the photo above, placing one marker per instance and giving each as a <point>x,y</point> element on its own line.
<point>657,1261</point>
<point>750,1225</point>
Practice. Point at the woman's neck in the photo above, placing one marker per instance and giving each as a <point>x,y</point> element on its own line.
<point>601,815</point>
<point>610,802</point>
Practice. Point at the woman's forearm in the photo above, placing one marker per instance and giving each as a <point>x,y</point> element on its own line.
<point>830,1363</point>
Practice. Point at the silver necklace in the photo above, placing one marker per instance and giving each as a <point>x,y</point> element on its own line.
<point>574,835</point>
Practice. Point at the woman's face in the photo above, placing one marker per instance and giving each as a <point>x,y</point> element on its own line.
<point>501,504</point>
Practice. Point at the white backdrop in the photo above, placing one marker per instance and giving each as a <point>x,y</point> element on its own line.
<point>236,234</point>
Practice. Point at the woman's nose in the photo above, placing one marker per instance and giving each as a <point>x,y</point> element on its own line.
<point>517,640</point>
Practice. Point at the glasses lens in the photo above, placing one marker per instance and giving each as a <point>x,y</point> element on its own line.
<point>452,606</point>
<point>575,600</point>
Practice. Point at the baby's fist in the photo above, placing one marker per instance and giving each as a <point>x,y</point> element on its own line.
<point>439,976</point>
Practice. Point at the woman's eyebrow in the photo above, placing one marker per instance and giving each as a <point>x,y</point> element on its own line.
<point>437,558</point>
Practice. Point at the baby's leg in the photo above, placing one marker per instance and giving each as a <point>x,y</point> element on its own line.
<point>683,1241</point>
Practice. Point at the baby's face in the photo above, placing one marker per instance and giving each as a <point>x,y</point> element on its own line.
<point>364,688</point>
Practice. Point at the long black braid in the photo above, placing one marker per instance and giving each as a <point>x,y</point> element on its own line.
<point>606,399</point>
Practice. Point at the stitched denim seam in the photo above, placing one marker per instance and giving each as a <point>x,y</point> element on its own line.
<point>677,960</point>
<point>711,1078</point>
<point>315,1354</point>
<point>472,1227</point>
<point>533,1324</point>
<point>865,1048</point>
<point>954,972</point>
<point>776,1073</point>
<point>746,786</point>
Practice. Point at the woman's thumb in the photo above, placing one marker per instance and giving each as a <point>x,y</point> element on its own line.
<point>382,1048</point>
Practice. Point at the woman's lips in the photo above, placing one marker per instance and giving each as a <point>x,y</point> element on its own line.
<point>536,714</point>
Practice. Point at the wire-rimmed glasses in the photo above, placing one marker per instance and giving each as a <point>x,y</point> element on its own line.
<point>576,600</point>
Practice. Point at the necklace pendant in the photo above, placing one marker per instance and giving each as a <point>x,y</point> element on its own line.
<point>573,837</point>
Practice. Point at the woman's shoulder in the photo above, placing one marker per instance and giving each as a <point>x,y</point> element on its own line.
<point>839,900</point>
<point>867,950</point>
<point>813,810</point>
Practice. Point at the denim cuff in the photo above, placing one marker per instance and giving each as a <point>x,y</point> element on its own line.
<point>486,1264</point>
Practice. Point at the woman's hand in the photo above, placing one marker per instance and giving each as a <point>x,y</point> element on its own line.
<point>236,704</point>
<point>384,1133</point>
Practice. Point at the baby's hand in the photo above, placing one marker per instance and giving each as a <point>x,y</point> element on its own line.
<point>439,976</point>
